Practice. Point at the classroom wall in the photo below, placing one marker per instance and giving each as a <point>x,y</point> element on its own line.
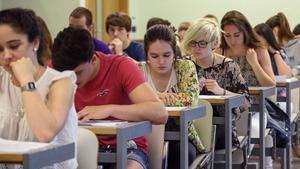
<point>56,16</point>
<point>176,11</point>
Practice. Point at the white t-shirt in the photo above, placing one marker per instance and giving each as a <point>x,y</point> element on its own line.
<point>13,122</point>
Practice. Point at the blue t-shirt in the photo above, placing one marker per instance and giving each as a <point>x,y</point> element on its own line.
<point>101,46</point>
<point>136,51</point>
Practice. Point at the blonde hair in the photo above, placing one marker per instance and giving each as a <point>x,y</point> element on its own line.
<point>202,28</point>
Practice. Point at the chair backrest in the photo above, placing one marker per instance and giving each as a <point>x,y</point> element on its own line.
<point>87,149</point>
<point>204,125</point>
<point>156,146</point>
<point>206,130</point>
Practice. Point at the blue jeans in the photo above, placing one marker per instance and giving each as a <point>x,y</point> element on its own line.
<point>135,154</point>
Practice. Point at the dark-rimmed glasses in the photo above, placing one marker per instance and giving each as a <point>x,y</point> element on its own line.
<point>200,44</point>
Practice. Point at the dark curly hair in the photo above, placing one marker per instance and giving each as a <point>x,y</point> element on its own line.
<point>72,47</point>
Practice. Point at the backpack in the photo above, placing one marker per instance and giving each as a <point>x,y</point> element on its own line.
<point>278,120</point>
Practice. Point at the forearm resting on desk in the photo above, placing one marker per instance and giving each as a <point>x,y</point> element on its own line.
<point>153,111</point>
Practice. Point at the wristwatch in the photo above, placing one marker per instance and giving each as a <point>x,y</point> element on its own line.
<point>30,86</point>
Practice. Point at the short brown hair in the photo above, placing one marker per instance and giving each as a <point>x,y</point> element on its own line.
<point>118,19</point>
<point>155,21</point>
<point>80,12</point>
<point>183,26</point>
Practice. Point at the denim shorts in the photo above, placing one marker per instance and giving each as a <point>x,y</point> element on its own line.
<point>138,155</point>
<point>135,154</point>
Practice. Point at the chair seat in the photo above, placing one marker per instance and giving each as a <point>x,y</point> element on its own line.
<point>200,160</point>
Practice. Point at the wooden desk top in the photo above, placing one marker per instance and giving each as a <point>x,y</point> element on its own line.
<point>103,127</point>
<point>11,158</point>
<point>216,99</point>
<point>34,154</point>
<point>175,111</point>
<point>283,83</point>
<point>256,90</point>
<point>112,129</point>
<point>102,131</point>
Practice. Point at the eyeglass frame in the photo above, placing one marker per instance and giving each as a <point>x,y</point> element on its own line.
<point>193,43</point>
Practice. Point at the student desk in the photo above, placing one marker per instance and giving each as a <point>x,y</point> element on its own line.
<point>288,84</point>
<point>124,132</point>
<point>36,157</point>
<point>260,93</point>
<point>229,102</point>
<point>185,114</point>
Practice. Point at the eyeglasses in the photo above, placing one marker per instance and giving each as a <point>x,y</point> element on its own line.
<point>200,44</point>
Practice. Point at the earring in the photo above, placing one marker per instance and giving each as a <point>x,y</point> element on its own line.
<point>35,49</point>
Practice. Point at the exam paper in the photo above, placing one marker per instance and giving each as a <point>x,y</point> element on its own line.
<point>102,123</point>
<point>19,147</point>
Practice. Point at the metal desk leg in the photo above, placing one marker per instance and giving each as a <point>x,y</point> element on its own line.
<point>288,110</point>
<point>183,142</point>
<point>228,134</point>
<point>121,150</point>
<point>262,131</point>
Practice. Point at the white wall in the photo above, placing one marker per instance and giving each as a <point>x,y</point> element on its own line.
<point>56,16</point>
<point>176,11</point>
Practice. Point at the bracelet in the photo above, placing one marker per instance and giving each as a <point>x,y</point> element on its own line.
<point>224,92</point>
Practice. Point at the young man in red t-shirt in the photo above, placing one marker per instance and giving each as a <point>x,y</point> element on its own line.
<point>108,88</point>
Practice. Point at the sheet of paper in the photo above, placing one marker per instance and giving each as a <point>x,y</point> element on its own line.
<point>280,78</point>
<point>175,108</point>
<point>210,97</point>
<point>102,123</point>
<point>19,147</point>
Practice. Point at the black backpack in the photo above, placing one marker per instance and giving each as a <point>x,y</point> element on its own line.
<point>278,120</point>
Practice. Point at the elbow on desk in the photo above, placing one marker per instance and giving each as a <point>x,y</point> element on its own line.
<point>45,136</point>
<point>161,116</point>
<point>164,118</point>
<point>271,84</point>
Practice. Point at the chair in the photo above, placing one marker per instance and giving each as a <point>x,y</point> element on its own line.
<point>87,149</point>
<point>206,131</point>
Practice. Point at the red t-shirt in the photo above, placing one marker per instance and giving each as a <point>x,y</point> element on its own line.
<point>117,77</point>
